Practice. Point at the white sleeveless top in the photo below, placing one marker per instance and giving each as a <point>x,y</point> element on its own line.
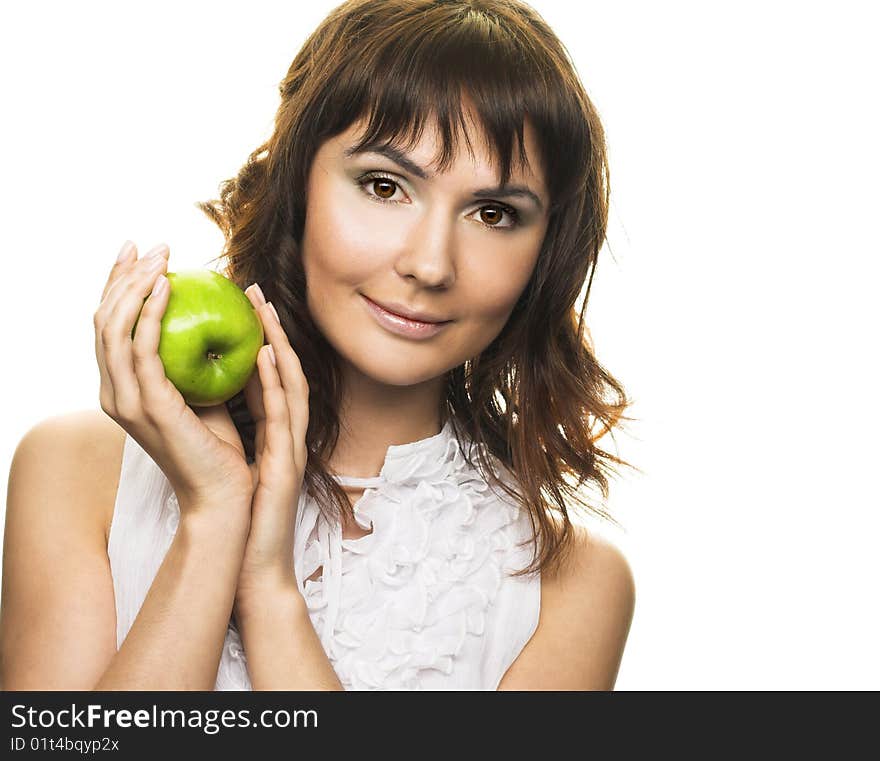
<point>424,602</point>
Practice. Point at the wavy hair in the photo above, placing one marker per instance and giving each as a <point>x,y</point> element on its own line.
<point>536,399</point>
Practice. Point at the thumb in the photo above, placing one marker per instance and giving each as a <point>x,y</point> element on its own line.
<point>218,420</point>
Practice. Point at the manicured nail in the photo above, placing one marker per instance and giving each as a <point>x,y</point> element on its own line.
<point>277,318</point>
<point>127,248</point>
<point>272,354</point>
<point>258,292</point>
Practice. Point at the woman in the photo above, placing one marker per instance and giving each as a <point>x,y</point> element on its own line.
<point>386,504</point>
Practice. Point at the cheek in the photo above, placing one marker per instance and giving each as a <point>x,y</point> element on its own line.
<point>494,289</point>
<point>340,244</point>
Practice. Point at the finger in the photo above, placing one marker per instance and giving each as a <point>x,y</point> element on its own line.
<point>218,420</point>
<point>278,439</point>
<point>127,256</point>
<point>133,271</point>
<point>113,293</point>
<point>158,394</point>
<point>293,380</point>
<point>125,305</point>
<point>253,395</point>
<point>290,370</point>
<point>253,391</point>
<point>288,363</point>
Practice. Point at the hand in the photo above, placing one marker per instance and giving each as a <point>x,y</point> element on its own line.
<point>278,400</point>
<point>199,450</point>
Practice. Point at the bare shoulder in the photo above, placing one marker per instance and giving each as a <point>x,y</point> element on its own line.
<point>81,448</point>
<point>58,618</point>
<point>596,566</point>
<point>587,607</point>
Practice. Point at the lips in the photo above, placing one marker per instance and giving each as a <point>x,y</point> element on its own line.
<point>403,326</point>
<point>408,314</point>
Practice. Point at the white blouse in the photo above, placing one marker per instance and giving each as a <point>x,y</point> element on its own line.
<point>424,602</point>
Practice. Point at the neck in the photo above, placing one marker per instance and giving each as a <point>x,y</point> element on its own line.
<point>374,416</point>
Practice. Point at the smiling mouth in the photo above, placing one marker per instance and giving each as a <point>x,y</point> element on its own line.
<point>413,320</point>
<point>403,326</point>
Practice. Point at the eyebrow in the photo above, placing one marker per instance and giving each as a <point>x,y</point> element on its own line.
<point>402,160</point>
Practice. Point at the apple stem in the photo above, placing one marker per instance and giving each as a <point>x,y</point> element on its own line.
<point>212,355</point>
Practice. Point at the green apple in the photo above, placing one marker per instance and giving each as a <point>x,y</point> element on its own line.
<point>209,337</point>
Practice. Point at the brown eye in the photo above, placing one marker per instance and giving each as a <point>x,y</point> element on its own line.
<point>387,188</point>
<point>491,215</point>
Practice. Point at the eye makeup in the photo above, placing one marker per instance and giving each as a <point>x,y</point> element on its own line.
<point>364,180</point>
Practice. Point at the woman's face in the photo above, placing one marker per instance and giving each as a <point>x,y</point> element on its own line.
<point>444,245</point>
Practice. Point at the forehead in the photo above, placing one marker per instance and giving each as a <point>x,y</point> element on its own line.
<point>471,148</point>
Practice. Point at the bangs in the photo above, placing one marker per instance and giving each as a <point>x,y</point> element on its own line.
<point>409,67</point>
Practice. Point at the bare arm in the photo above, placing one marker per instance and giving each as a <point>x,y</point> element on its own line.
<point>586,612</point>
<point>176,641</point>
<point>58,621</point>
<point>283,649</point>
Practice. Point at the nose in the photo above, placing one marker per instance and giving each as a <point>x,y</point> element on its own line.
<point>429,254</point>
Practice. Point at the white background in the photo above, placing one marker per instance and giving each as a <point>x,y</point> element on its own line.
<point>733,301</point>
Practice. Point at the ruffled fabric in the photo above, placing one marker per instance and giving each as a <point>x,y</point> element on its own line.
<point>232,673</point>
<point>408,603</point>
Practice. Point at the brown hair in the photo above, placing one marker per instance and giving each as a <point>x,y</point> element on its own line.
<point>536,398</point>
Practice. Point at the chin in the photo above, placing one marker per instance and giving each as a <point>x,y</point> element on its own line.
<point>392,368</point>
<point>400,375</point>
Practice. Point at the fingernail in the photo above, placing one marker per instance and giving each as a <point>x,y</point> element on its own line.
<point>277,318</point>
<point>156,251</point>
<point>127,248</point>
<point>272,354</point>
<point>258,292</point>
